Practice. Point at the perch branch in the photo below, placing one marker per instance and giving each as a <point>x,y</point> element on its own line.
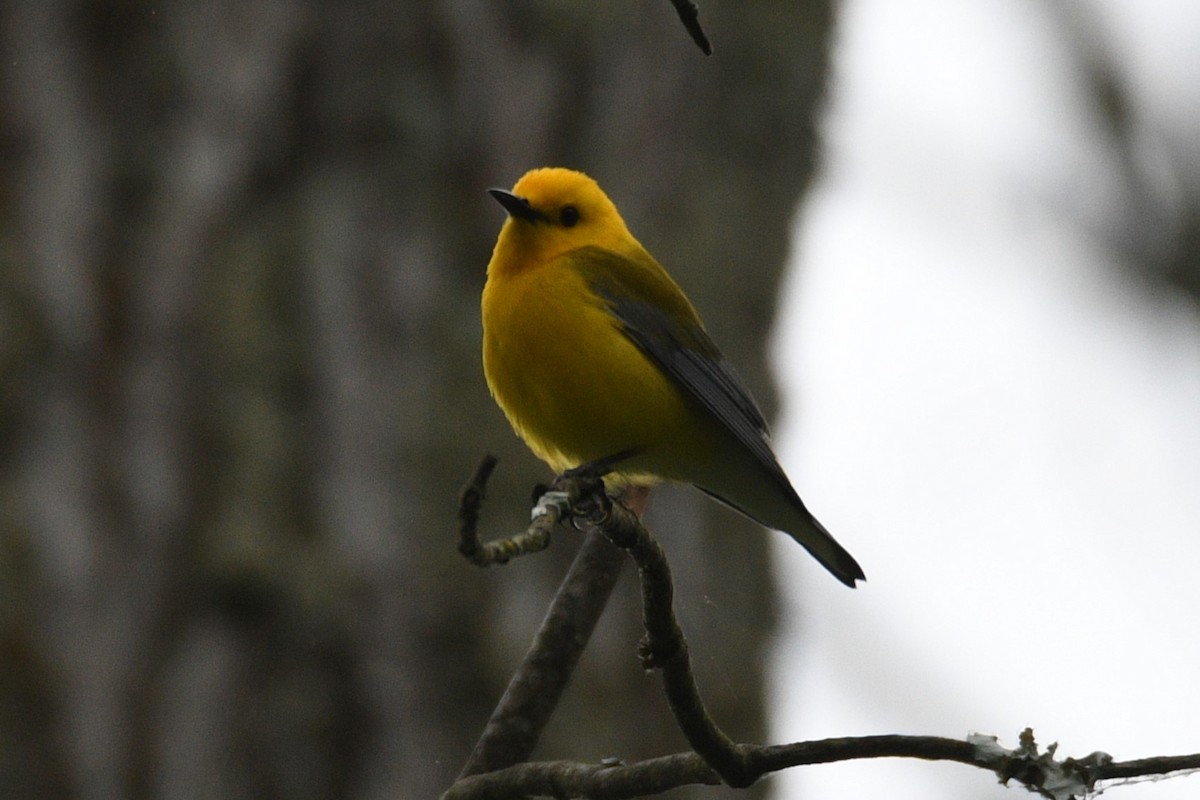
<point>494,772</point>
<point>664,648</point>
<point>605,781</point>
<point>538,684</point>
<point>535,689</point>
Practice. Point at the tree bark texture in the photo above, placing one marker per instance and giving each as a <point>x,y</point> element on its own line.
<point>241,251</point>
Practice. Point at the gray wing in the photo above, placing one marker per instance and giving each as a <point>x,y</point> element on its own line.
<point>665,327</point>
<point>687,355</point>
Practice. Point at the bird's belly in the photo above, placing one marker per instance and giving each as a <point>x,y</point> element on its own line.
<point>577,389</point>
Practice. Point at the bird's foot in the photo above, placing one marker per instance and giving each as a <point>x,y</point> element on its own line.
<point>601,466</point>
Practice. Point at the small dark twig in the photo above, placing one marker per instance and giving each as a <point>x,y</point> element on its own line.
<point>547,513</point>
<point>690,16</point>
<point>470,500</point>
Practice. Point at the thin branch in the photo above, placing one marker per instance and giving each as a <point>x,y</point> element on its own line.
<point>470,500</point>
<point>552,507</point>
<point>494,772</point>
<point>568,779</point>
<point>665,648</point>
<point>690,16</point>
<point>564,779</point>
<point>1150,767</point>
<point>537,686</point>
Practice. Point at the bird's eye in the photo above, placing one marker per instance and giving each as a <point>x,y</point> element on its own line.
<point>569,216</point>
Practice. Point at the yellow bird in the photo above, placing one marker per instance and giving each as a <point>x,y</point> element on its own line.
<point>597,358</point>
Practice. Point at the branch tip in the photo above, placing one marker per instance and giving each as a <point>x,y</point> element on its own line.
<point>551,508</point>
<point>689,15</point>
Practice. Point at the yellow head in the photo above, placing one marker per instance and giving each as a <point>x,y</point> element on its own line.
<point>553,210</point>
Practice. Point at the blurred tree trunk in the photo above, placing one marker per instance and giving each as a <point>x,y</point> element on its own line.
<point>241,249</point>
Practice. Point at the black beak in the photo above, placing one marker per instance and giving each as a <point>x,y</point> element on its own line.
<point>517,207</point>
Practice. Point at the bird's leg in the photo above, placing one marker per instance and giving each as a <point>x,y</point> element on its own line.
<point>634,497</point>
<point>583,488</point>
<point>601,466</point>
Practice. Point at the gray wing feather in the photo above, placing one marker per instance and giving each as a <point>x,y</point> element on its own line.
<point>690,358</point>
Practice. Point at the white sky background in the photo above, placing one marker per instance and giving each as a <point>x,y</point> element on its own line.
<point>995,420</point>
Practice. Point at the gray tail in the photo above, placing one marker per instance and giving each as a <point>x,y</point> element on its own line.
<point>785,511</point>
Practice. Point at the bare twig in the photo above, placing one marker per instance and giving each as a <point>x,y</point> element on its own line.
<point>494,772</point>
<point>564,779</point>
<point>665,648</point>
<point>535,689</point>
<point>690,16</point>
<point>552,507</point>
<point>538,684</point>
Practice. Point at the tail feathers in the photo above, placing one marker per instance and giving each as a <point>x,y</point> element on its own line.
<point>783,510</point>
<point>811,534</point>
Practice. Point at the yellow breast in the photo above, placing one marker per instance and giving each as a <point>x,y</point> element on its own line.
<point>574,387</point>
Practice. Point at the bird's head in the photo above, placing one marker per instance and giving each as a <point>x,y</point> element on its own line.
<point>553,210</point>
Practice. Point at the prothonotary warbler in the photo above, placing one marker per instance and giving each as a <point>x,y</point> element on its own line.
<point>596,356</point>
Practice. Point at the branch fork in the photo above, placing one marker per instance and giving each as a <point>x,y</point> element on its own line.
<point>499,766</point>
